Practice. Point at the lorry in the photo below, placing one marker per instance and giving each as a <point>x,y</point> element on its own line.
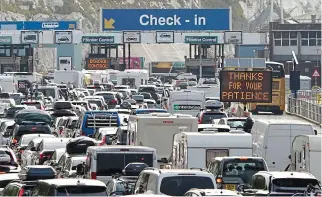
<point>74,77</point>
<point>156,130</point>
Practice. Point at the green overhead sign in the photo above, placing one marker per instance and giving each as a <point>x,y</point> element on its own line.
<point>201,39</point>
<point>98,39</point>
<point>5,40</point>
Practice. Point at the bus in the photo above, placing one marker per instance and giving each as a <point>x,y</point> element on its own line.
<point>277,106</point>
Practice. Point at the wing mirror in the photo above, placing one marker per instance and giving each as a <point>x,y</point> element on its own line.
<point>126,120</point>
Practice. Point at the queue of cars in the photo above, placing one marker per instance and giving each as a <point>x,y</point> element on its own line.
<point>125,142</point>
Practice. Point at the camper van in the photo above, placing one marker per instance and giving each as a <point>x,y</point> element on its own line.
<point>186,102</point>
<point>306,154</point>
<point>156,130</point>
<point>272,140</point>
<point>198,149</point>
<point>132,77</point>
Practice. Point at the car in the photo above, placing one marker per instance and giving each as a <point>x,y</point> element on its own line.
<point>165,35</point>
<point>131,38</point>
<point>120,185</point>
<point>70,166</point>
<point>69,187</point>
<point>37,104</point>
<point>46,148</point>
<point>5,179</point>
<point>173,182</point>
<point>10,113</point>
<point>8,160</point>
<point>55,157</point>
<point>63,39</point>
<point>279,183</point>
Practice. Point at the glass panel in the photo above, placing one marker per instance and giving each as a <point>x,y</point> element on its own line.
<point>293,42</point>
<point>304,34</point>
<point>277,35</point>
<point>285,42</point>
<point>293,34</point>
<point>278,42</point>
<point>213,153</point>
<point>312,42</point>
<point>285,34</point>
<point>312,34</point>
<point>319,42</point>
<point>304,42</point>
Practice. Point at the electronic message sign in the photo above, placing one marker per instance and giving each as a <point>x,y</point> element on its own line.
<point>98,63</point>
<point>246,86</point>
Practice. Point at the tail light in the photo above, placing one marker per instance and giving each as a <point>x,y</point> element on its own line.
<point>21,192</point>
<point>14,141</point>
<point>200,119</point>
<point>93,175</point>
<point>61,131</point>
<point>41,156</point>
<point>103,141</point>
<point>218,180</point>
<point>113,101</point>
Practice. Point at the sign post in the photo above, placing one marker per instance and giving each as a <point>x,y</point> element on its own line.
<point>316,74</point>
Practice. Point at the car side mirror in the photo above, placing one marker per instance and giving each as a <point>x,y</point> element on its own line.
<point>126,120</point>
<point>33,149</point>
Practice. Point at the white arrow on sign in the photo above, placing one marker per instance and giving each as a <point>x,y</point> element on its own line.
<point>316,74</point>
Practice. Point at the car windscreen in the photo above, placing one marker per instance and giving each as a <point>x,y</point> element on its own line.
<point>81,190</point>
<point>236,123</point>
<point>83,104</point>
<point>63,105</point>
<point>97,102</point>
<point>37,105</point>
<point>284,184</point>
<point>107,168</point>
<point>138,97</point>
<point>208,117</point>
<point>242,169</point>
<point>179,185</point>
<point>146,89</point>
<point>106,96</point>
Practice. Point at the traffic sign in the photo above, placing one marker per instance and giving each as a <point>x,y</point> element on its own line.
<point>165,19</point>
<point>38,25</point>
<point>98,39</point>
<point>316,73</point>
<point>201,39</point>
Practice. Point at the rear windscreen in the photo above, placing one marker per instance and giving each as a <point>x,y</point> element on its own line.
<point>107,168</point>
<point>208,117</point>
<point>37,105</point>
<point>83,190</point>
<point>42,130</point>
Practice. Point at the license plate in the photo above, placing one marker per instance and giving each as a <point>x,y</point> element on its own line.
<point>231,187</point>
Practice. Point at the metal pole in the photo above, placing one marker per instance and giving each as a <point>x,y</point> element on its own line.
<point>200,61</point>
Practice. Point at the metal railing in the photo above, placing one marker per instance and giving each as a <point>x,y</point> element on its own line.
<point>308,109</point>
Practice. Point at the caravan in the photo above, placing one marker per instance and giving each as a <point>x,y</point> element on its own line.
<point>198,149</point>
<point>306,154</point>
<point>156,130</point>
<point>133,77</point>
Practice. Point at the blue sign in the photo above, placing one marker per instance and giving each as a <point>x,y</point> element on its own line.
<point>201,39</point>
<point>38,25</point>
<point>165,19</point>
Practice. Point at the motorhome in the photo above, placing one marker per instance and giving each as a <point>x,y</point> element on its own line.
<point>8,84</point>
<point>306,154</point>
<point>133,77</point>
<point>156,130</point>
<point>272,140</point>
<point>186,102</point>
<point>72,76</point>
<point>209,90</point>
<point>28,76</point>
<point>198,149</point>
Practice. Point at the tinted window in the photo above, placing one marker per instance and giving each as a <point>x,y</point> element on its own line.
<point>119,162</point>
<point>63,105</point>
<point>146,89</point>
<point>236,123</point>
<point>243,169</point>
<point>106,96</point>
<point>4,183</point>
<point>287,182</point>
<point>81,191</point>
<point>179,185</point>
<point>149,111</point>
<point>208,117</point>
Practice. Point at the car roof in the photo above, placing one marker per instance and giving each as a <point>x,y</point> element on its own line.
<point>285,175</point>
<point>55,140</point>
<point>73,182</point>
<point>9,176</point>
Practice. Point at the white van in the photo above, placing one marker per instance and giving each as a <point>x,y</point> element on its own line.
<point>186,102</point>
<point>157,129</point>
<point>272,140</point>
<point>104,161</point>
<point>306,154</point>
<point>198,149</point>
<point>52,91</point>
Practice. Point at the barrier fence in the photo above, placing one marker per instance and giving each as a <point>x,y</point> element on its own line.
<point>307,108</point>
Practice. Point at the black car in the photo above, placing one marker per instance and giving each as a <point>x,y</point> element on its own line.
<point>63,39</point>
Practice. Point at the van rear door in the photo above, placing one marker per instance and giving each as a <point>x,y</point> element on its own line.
<point>278,146</point>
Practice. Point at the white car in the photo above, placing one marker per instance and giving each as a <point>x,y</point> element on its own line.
<point>26,155</point>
